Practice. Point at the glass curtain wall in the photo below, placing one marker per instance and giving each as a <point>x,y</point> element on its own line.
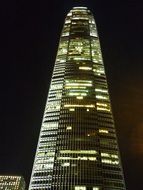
<point>77,147</point>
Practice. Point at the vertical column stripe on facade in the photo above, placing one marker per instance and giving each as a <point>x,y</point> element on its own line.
<point>77,148</point>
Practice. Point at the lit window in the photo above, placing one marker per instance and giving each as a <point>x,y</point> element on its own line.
<point>101,104</point>
<point>69,128</point>
<point>78,84</point>
<point>71,109</point>
<point>58,79</point>
<point>109,155</point>
<point>59,95</point>
<point>79,81</point>
<point>101,97</point>
<point>79,97</point>
<point>40,161</point>
<point>96,188</point>
<point>43,166</point>
<point>63,158</point>
<point>61,59</point>
<point>57,74</point>
<point>63,46</point>
<point>78,90</point>
<point>62,51</point>
<point>77,94</point>
<point>101,90</point>
<point>50,125</point>
<point>79,106</point>
<point>114,156</point>
<point>93,31</point>
<point>78,152</point>
<point>66,30</point>
<point>85,68</point>
<point>69,14</point>
<point>100,71</point>
<point>67,21</point>
<point>91,21</point>
<point>103,109</point>
<point>80,58</point>
<point>79,49</point>
<point>66,164</point>
<point>80,188</point>
<point>92,158</point>
<point>49,132</point>
<point>108,161</point>
<point>65,34</point>
<point>105,154</point>
<point>75,87</point>
<point>49,139</point>
<point>42,154</point>
<point>53,106</point>
<point>56,86</point>
<point>103,131</point>
<point>80,18</point>
<point>96,53</point>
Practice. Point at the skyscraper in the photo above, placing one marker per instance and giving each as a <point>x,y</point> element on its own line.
<point>12,183</point>
<point>77,148</point>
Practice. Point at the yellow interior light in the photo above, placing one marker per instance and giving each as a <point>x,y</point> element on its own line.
<point>85,68</point>
<point>71,109</point>
<point>103,131</point>
<point>69,128</point>
<point>79,97</point>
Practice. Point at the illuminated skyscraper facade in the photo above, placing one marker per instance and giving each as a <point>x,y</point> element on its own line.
<point>77,148</point>
<point>12,183</point>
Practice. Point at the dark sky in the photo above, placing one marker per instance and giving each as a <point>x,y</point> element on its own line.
<point>28,62</point>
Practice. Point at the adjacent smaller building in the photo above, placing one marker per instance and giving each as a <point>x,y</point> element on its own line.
<point>12,183</point>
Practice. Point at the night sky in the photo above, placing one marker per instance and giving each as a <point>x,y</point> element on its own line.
<point>29,57</point>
